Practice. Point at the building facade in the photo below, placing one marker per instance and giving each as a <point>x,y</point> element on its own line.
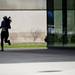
<point>52,18</point>
<point>28,19</point>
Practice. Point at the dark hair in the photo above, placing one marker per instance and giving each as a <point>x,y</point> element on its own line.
<point>5,17</point>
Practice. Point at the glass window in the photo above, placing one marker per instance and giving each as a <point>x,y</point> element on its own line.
<point>50,18</point>
<point>58,21</point>
<point>70,4</point>
<point>71,21</point>
<point>71,27</point>
<point>57,4</point>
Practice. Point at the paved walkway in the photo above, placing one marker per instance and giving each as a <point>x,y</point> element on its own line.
<point>37,62</point>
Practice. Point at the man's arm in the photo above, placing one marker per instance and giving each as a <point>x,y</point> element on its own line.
<point>0,27</point>
<point>1,24</point>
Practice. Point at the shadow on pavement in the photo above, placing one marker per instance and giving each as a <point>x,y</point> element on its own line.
<point>37,55</point>
<point>50,71</point>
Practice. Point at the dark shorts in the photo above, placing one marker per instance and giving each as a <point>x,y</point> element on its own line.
<point>4,34</point>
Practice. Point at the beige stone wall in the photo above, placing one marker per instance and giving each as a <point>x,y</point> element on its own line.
<point>25,37</point>
<point>22,4</point>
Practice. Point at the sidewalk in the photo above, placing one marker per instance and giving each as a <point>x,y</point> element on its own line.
<point>37,62</point>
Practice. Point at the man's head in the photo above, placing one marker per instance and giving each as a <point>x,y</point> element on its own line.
<point>5,17</point>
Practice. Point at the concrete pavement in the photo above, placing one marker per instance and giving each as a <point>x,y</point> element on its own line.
<point>37,62</point>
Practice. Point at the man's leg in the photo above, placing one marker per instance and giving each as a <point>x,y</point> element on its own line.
<point>7,41</point>
<point>6,38</point>
<point>2,44</point>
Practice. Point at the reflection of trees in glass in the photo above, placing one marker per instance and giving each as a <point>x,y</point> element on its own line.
<point>71,21</point>
<point>58,4</point>
<point>58,21</point>
<point>70,4</point>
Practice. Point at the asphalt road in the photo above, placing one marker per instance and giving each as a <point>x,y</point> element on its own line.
<point>37,62</point>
